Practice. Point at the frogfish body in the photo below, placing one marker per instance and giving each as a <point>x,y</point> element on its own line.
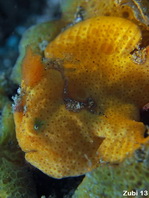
<point>79,104</point>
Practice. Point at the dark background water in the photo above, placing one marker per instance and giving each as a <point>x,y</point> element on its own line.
<point>15,17</point>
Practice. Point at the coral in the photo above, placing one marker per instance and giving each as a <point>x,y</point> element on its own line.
<point>79,104</point>
<point>7,124</point>
<point>3,100</point>
<point>3,88</point>
<point>15,180</point>
<point>130,9</point>
<point>111,181</point>
<point>133,10</point>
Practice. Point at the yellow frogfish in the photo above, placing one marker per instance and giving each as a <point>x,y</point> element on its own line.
<point>79,104</point>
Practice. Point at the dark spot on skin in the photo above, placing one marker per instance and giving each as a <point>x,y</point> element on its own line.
<point>30,151</point>
<point>107,14</point>
<point>38,124</point>
<point>145,39</point>
<point>125,14</point>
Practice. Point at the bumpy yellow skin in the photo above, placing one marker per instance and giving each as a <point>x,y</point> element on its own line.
<point>93,59</point>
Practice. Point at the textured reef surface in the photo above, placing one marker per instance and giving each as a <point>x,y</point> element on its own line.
<point>112,181</point>
<point>82,102</point>
<point>15,179</point>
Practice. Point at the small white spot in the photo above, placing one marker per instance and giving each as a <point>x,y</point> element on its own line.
<point>25,108</point>
<point>16,100</point>
<point>43,45</point>
<point>19,90</point>
<point>88,160</point>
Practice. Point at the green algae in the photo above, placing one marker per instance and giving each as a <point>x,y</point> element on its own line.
<point>111,181</point>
